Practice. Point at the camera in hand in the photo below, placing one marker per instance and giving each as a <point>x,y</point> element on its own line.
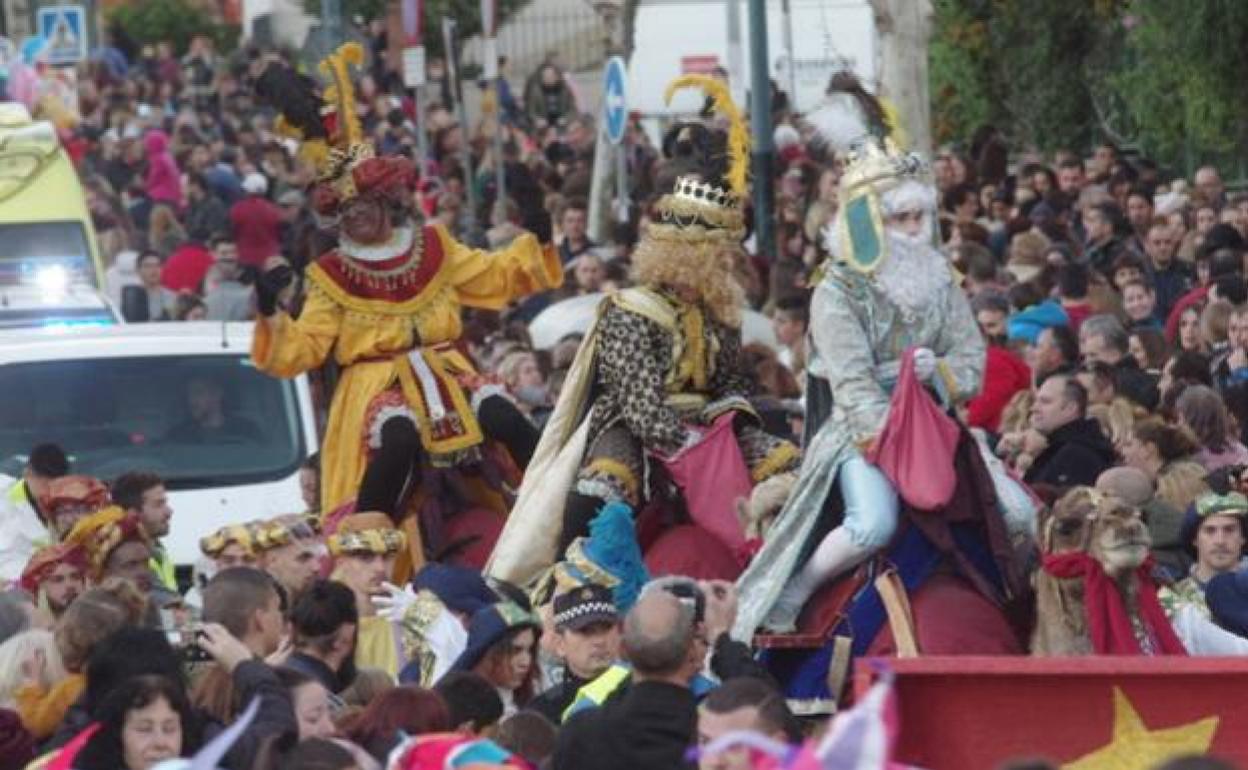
<point>191,652</point>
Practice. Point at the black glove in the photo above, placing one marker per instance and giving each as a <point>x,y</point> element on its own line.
<point>537,221</point>
<point>271,284</point>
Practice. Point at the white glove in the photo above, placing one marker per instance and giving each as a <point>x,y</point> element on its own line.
<point>924,364</point>
<point>393,605</point>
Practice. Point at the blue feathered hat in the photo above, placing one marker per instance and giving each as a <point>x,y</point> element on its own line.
<point>461,589</point>
<point>609,557</point>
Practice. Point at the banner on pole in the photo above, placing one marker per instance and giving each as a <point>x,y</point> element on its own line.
<point>414,66</point>
<point>489,39</point>
<point>413,12</point>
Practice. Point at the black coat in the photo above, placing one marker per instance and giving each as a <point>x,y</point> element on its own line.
<point>1134,383</point>
<point>651,726</point>
<point>1077,453</point>
<point>552,703</point>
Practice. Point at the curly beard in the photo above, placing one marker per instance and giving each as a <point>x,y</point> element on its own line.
<point>668,257</point>
<point>914,273</point>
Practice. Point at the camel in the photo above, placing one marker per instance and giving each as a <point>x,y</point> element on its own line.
<point>1111,532</point>
<point>757,513</point>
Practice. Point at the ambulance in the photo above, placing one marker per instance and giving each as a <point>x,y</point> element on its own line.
<point>51,272</point>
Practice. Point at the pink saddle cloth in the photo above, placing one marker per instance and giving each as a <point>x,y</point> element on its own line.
<point>712,475</point>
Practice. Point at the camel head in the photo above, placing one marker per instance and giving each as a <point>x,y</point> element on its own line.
<point>1103,526</point>
<point>757,514</point>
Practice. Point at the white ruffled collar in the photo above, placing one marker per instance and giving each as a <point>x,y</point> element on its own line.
<point>399,243</point>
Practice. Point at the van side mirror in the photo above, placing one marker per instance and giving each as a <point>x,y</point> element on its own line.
<point>134,304</point>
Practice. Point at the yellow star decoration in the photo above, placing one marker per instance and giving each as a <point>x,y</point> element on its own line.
<point>1135,747</point>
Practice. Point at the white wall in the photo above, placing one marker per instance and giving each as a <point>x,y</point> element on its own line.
<point>825,34</point>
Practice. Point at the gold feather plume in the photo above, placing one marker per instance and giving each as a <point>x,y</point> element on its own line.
<point>340,93</point>
<point>312,151</point>
<point>738,133</point>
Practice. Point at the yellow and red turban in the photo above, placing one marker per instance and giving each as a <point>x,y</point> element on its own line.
<point>47,559</point>
<point>281,530</point>
<point>102,532</point>
<point>242,534</point>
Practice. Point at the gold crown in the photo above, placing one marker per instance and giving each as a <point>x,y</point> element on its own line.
<point>695,203</point>
<point>703,193</point>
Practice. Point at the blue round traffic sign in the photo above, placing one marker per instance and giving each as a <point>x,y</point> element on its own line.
<point>615,109</point>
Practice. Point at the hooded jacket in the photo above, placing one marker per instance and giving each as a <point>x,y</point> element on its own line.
<point>163,181</point>
<point>1077,453</point>
<point>1027,324</point>
<point>1004,375</point>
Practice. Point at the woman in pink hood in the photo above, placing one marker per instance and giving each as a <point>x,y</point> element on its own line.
<point>163,181</point>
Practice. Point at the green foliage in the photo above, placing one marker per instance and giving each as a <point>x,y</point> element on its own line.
<point>1023,66</point>
<point>466,12</point>
<point>153,21</point>
<point>1161,75</point>
<point>960,96</point>
<point>1184,90</point>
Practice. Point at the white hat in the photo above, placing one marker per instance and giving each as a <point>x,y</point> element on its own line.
<point>255,184</point>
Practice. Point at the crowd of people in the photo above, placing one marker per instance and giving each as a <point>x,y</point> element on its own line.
<point>1111,303</point>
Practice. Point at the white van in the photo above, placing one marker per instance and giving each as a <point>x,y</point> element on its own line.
<point>182,400</point>
<point>681,37</point>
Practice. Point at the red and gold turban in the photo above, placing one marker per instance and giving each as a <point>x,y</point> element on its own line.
<point>102,532</point>
<point>47,559</point>
<point>74,490</point>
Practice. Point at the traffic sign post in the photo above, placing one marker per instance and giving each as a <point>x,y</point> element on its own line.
<point>64,27</point>
<point>615,100</point>
<point>608,152</point>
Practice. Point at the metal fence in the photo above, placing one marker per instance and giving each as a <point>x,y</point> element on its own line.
<point>573,31</point>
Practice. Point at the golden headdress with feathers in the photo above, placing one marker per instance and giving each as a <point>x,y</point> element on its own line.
<point>879,178</point>
<point>325,121</point>
<point>710,191</point>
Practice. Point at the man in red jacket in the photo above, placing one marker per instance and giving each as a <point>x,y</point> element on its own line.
<point>1005,373</point>
<point>257,223</point>
<point>186,267</point>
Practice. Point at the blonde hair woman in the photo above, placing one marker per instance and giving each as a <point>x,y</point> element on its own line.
<point>1117,419</point>
<point>29,658</point>
<point>91,618</point>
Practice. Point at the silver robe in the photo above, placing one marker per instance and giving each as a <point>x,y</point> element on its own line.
<point>859,336</point>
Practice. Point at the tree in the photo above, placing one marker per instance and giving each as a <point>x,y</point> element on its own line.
<point>1182,91</point>
<point>1024,66</point>
<point>903,28</point>
<point>176,21</point>
<point>1161,76</point>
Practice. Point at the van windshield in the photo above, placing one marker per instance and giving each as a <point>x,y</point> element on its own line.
<point>197,421</point>
<point>30,252</point>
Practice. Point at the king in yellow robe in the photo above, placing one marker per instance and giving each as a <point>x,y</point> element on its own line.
<point>391,316</point>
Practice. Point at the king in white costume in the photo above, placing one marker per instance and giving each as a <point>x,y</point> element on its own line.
<point>886,290</point>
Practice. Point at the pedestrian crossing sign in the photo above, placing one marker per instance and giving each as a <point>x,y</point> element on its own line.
<point>64,27</point>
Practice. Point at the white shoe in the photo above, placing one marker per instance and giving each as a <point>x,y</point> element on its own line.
<point>836,555</point>
<point>784,613</point>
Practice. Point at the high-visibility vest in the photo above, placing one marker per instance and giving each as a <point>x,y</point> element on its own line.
<point>594,694</point>
<point>162,567</point>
